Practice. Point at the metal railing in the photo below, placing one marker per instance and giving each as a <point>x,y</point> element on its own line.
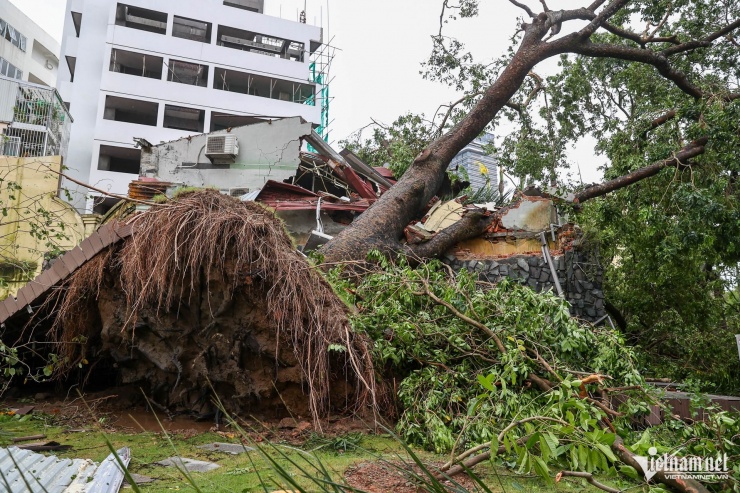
<point>34,120</point>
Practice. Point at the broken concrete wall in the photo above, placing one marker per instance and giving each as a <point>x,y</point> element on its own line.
<point>579,275</point>
<point>300,224</point>
<point>267,151</point>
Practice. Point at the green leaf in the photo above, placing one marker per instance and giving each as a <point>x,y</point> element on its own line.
<point>540,467</point>
<point>630,472</point>
<point>486,382</point>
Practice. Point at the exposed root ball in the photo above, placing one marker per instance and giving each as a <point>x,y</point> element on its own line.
<point>209,288</point>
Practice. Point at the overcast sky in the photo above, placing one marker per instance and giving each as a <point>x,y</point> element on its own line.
<point>381,44</point>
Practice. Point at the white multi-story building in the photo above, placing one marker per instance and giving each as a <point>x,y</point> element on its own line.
<point>164,69</point>
<point>27,52</point>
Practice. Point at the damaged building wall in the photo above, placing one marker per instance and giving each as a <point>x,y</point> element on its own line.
<point>267,151</point>
<point>512,248</point>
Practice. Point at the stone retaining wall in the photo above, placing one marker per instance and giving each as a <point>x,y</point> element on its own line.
<point>579,274</point>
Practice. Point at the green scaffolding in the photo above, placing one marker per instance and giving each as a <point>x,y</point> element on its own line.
<point>320,77</point>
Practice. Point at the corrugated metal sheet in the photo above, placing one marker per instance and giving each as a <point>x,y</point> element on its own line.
<point>23,471</point>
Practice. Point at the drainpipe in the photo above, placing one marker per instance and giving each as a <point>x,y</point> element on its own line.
<point>551,264</point>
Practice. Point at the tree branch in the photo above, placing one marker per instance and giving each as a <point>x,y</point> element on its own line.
<point>704,42</point>
<point>428,291</point>
<point>588,477</point>
<point>684,485</point>
<point>658,60</point>
<point>450,469</point>
<point>524,7</point>
<point>633,36</point>
<point>692,150</point>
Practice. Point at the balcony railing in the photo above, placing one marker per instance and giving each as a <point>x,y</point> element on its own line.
<point>36,120</point>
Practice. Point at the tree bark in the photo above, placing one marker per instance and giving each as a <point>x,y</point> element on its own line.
<point>682,485</point>
<point>679,159</point>
<point>382,225</point>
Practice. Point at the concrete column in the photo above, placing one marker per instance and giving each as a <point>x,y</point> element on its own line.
<point>90,221</point>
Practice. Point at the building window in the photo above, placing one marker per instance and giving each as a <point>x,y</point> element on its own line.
<point>143,19</point>
<point>181,118</point>
<point>251,5</point>
<point>11,34</point>
<point>265,87</point>
<point>187,73</point>
<point>191,29</point>
<point>77,21</point>
<point>130,111</point>
<point>132,63</point>
<point>240,39</point>
<point>10,70</point>
<point>119,159</point>
<point>71,64</point>
<point>222,121</point>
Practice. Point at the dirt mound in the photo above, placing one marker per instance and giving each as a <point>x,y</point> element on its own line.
<point>207,291</point>
<point>398,477</point>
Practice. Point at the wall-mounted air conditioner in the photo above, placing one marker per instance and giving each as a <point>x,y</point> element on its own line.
<point>222,149</point>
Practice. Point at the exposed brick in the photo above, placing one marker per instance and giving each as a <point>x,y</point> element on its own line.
<point>48,278</point>
<point>96,242</point>
<point>36,288</point>
<point>20,298</point>
<point>52,277</point>
<point>88,249</point>
<point>61,268</point>
<point>69,264</point>
<point>10,305</point>
<point>77,255</point>
<point>125,230</point>
<point>105,232</point>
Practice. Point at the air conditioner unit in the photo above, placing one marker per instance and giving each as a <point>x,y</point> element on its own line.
<point>222,149</point>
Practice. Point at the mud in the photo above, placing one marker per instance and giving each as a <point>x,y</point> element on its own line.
<point>217,346</point>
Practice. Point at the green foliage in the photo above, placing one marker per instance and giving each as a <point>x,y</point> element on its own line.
<point>456,389</point>
<point>396,145</point>
<point>669,243</point>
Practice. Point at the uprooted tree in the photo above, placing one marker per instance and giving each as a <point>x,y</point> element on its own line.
<point>683,63</point>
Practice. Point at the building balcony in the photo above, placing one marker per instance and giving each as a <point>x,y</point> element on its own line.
<point>37,120</point>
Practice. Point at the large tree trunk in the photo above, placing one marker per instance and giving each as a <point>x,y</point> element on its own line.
<point>382,225</point>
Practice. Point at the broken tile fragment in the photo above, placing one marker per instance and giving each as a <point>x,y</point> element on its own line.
<point>227,448</point>
<point>190,465</point>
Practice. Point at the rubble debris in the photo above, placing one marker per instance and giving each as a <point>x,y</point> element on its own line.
<point>190,465</point>
<point>25,410</point>
<point>139,479</point>
<point>226,448</point>
<point>44,447</point>
<point>444,215</point>
<point>27,438</point>
<point>23,471</point>
<point>147,188</point>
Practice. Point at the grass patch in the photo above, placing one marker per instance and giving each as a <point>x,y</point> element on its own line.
<point>240,473</point>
